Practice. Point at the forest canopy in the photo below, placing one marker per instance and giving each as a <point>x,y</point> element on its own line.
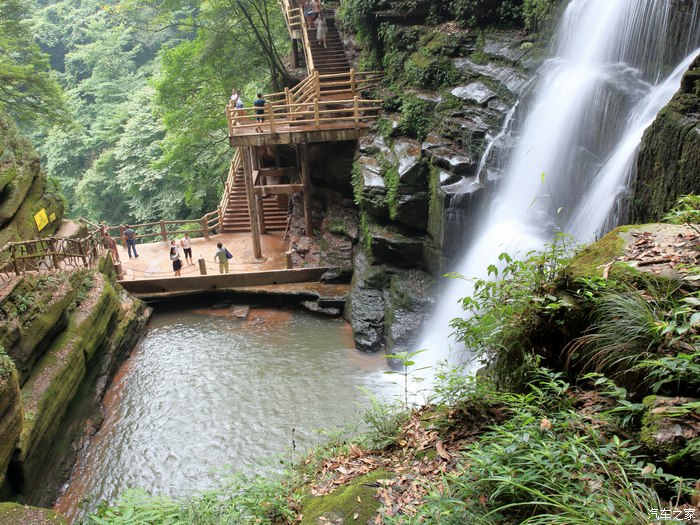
<point>125,99</point>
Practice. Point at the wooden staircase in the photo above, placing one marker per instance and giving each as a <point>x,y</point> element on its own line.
<point>236,218</point>
<point>330,59</point>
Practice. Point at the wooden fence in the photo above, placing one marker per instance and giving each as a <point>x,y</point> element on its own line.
<point>51,253</point>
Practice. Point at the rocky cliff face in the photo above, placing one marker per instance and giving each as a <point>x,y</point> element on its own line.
<point>668,165</point>
<point>24,189</point>
<point>61,337</point>
<point>419,180</point>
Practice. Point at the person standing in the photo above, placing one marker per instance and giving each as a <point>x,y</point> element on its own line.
<point>130,235</point>
<point>321,31</point>
<point>175,257</point>
<point>186,244</point>
<point>309,13</point>
<point>259,104</point>
<point>222,254</point>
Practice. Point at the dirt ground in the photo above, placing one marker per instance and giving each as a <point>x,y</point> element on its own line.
<point>154,258</point>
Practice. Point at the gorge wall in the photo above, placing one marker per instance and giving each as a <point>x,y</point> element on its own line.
<point>62,335</point>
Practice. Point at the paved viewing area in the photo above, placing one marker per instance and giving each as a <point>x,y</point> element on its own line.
<point>154,258</point>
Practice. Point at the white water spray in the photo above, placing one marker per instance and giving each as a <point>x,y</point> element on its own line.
<point>594,100</point>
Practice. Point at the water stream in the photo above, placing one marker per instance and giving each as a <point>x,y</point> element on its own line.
<point>615,65</point>
<point>205,394</point>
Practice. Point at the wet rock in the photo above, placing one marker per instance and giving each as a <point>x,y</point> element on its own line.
<point>447,177</point>
<point>433,140</point>
<point>388,244</point>
<point>373,187</point>
<point>453,161</point>
<point>508,77</point>
<point>409,300</point>
<point>475,92</point>
<point>412,210</point>
<point>408,156</point>
<point>429,96</point>
<point>365,310</point>
<point>239,311</point>
<point>314,307</point>
<point>507,47</point>
<point>372,144</point>
<point>464,185</point>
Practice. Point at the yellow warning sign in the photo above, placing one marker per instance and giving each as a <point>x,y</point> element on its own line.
<point>41,219</point>
<point>52,217</point>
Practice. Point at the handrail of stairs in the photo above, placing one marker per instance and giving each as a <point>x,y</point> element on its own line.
<point>293,17</point>
<point>228,185</point>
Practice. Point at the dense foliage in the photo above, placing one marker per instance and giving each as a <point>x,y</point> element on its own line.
<point>145,83</point>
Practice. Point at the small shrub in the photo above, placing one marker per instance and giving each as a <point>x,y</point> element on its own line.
<point>391,180</point>
<point>686,211</point>
<point>416,118</point>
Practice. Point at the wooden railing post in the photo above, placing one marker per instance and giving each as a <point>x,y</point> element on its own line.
<point>163,232</point>
<point>14,259</point>
<point>357,111</point>
<point>205,227</point>
<point>54,253</point>
<point>122,236</point>
<point>352,82</point>
<point>317,117</point>
<point>317,82</point>
<point>221,218</point>
<point>83,251</point>
<point>271,116</point>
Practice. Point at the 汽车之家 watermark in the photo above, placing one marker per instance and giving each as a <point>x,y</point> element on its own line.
<point>672,514</point>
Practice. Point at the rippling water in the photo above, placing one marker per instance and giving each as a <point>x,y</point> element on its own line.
<point>206,393</point>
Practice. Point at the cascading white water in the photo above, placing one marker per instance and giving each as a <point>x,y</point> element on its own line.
<point>603,87</point>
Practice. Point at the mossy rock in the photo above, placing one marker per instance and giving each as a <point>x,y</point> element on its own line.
<point>15,191</point>
<point>16,514</point>
<point>36,312</point>
<point>351,503</point>
<point>669,425</point>
<point>602,257</point>
<point>47,394</point>
<point>22,225</point>
<point>93,322</point>
<point>10,412</point>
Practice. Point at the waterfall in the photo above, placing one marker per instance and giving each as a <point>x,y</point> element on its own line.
<point>615,64</point>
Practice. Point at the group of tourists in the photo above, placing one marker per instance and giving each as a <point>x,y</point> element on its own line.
<point>222,255</point>
<point>313,13</point>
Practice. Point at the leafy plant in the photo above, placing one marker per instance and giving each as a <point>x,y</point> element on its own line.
<point>686,211</point>
<point>384,420</point>
<point>545,465</point>
<point>405,360</point>
<point>502,308</point>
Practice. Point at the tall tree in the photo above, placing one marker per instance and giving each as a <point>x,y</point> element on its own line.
<point>28,90</point>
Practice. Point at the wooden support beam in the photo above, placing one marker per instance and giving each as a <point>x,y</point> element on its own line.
<point>277,189</point>
<point>295,52</point>
<point>303,159</point>
<point>261,213</point>
<point>248,157</point>
<point>278,172</point>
